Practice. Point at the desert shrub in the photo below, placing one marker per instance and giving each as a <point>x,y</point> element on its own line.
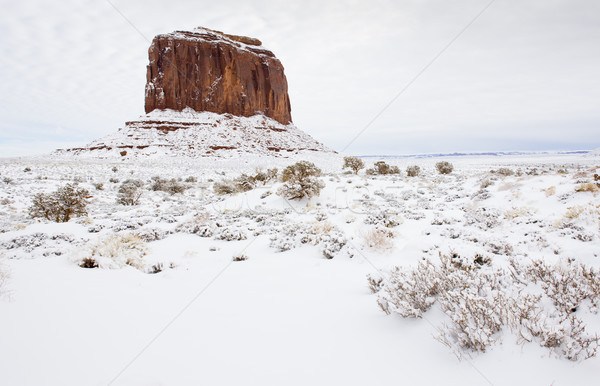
<point>130,192</point>
<point>99,186</point>
<point>240,257</point>
<point>156,268</point>
<point>379,238</point>
<point>375,283</point>
<point>113,180</point>
<point>383,219</point>
<point>67,202</point>
<point>353,163</point>
<point>224,187</point>
<point>245,182</point>
<point>330,239</point>
<point>504,172</point>
<point>230,234</point>
<point>191,179</point>
<point>300,180</point>
<point>88,262</point>
<point>537,301</point>
<point>444,167</point>
<point>115,252</point>
<point>7,180</point>
<point>200,225</point>
<point>382,168</point>
<point>413,170</point>
<point>587,187</point>
<point>171,186</point>
<point>27,169</point>
<point>486,183</point>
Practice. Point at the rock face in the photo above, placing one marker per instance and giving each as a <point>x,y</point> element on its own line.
<point>209,94</point>
<point>208,70</point>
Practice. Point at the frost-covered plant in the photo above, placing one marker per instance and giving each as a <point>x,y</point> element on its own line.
<point>413,170</point>
<point>486,183</point>
<point>480,301</point>
<point>504,172</point>
<point>382,168</point>
<point>379,238</point>
<point>444,167</point>
<point>224,187</point>
<point>375,283</point>
<point>67,202</point>
<point>300,180</point>
<point>245,182</point>
<point>384,219</point>
<point>354,164</point>
<point>587,187</point>
<point>130,192</point>
<point>230,234</point>
<point>115,252</point>
<point>171,186</point>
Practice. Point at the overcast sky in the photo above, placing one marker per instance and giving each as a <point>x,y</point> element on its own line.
<point>524,76</point>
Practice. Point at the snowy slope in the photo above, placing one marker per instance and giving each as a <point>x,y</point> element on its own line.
<point>198,134</point>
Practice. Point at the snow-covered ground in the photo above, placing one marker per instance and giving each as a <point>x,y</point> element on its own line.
<point>287,314</point>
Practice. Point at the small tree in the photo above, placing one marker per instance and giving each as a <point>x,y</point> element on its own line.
<point>444,167</point>
<point>354,163</point>
<point>301,180</point>
<point>61,205</point>
<point>413,170</point>
<point>130,192</point>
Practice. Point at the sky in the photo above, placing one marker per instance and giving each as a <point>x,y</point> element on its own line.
<point>409,76</point>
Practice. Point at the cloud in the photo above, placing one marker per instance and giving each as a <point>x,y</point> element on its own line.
<point>519,69</point>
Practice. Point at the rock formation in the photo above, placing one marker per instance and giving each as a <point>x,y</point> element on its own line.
<point>211,71</point>
<point>209,94</point>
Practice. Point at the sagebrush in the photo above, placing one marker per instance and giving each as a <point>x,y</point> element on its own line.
<point>65,203</point>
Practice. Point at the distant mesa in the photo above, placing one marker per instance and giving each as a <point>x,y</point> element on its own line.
<point>206,93</point>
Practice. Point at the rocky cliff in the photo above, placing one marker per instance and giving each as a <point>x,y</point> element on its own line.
<point>209,94</point>
<point>211,71</point>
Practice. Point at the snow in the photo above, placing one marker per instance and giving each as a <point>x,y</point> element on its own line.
<point>280,317</point>
<point>192,134</point>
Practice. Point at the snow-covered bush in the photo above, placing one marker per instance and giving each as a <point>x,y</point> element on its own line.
<point>504,172</point>
<point>130,192</point>
<point>587,187</point>
<point>171,186</point>
<point>67,202</point>
<point>224,187</point>
<point>379,238</point>
<point>375,283</point>
<point>480,301</point>
<point>354,164</point>
<point>413,170</point>
<point>245,182</point>
<point>116,251</point>
<point>300,180</point>
<point>444,167</point>
<point>230,234</point>
<point>200,225</point>
<point>384,219</point>
<point>382,168</point>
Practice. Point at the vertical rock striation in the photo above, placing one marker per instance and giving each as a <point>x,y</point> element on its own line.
<point>211,71</point>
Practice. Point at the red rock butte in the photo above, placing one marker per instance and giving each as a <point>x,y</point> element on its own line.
<point>212,71</point>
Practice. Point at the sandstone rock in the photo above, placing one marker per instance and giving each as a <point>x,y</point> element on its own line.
<point>208,70</point>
